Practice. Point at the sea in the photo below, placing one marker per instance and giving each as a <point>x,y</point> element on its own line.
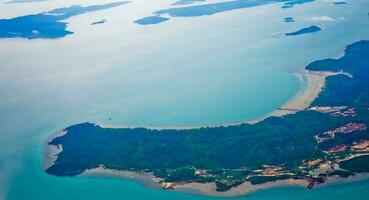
<point>188,71</point>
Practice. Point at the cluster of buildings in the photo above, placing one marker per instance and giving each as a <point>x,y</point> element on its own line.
<point>338,148</point>
<point>348,128</point>
<point>345,113</point>
<point>337,111</point>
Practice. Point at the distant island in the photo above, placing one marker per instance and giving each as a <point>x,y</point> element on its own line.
<point>310,29</point>
<point>24,1</point>
<point>151,20</point>
<point>326,141</point>
<point>185,2</point>
<point>289,19</point>
<point>306,30</point>
<point>339,3</point>
<point>47,25</point>
<point>99,22</point>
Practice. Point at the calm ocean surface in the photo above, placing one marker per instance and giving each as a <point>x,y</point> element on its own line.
<point>188,71</point>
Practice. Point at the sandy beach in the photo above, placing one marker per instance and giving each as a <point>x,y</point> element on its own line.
<point>52,151</point>
<point>314,83</point>
<point>145,179</point>
<point>206,189</point>
<point>245,188</point>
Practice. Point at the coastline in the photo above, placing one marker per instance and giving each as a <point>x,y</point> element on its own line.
<point>245,188</point>
<point>205,189</point>
<point>208,189</point>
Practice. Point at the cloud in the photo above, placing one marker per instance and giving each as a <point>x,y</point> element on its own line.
<point>321,19</point>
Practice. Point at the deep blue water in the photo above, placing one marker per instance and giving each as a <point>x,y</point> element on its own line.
<point>47,24</point>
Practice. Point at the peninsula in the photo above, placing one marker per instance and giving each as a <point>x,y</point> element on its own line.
<point>327,140</point>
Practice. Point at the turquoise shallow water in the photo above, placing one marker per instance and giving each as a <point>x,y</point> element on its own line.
<point>244,75</point>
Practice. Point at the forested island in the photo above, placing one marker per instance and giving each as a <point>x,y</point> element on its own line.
<point>327,140</point>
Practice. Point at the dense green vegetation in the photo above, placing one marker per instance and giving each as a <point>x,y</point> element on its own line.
<point>358,164</point>
<point>230,154</point>
<point>275,141</point>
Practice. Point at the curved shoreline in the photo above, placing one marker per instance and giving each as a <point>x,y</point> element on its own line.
<point>313,83</point>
